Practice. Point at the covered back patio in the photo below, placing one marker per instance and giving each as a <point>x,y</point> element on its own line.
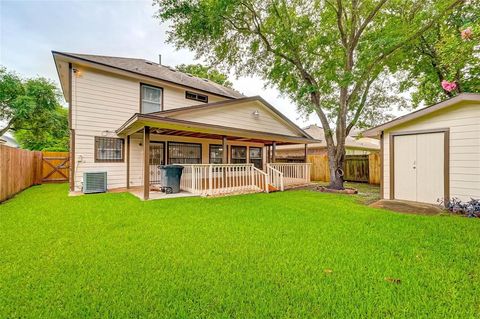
<point>238,160</point>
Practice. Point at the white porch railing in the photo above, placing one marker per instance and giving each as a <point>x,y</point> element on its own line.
<point>217,179</point>
<point>275,178</point>
<point>293,173</point>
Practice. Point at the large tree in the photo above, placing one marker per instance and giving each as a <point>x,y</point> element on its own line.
<point>205,72</point>
<point>326,55</point>
<point>30,109</point>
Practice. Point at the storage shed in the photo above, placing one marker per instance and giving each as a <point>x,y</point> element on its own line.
<point>432,153</point>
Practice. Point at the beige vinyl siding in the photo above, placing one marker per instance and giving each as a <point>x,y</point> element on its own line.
<point>241,116</point>
<point>463,120</point>
<point>101,103</point>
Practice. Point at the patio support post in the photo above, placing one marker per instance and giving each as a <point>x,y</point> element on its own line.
<point>225,150</point>
<point>305,153</point>
<point>128,161</point>
<point>146,162</point>
<point>274,148</point>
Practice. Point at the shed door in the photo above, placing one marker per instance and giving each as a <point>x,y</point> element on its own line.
<point>430,158</point>
<point>419,167</point>
<point>405,156</point>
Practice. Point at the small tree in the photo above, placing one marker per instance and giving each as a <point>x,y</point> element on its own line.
<point>325,55</point>
<point>448,53</point>
<point>30,108</point>
<point>205,72</point>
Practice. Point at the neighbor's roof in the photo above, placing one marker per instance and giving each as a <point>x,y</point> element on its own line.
<point>156,71</point>
<point>462,97</point>
<point>350,142</point>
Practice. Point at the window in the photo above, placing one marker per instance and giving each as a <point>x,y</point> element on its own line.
<point>216,154</point>
<point>108,149</point>
<point>156,153</point>
<point>196,96</point>
<point>239,154</point>
<point>256,157</point>
<point>151,98</point>
<point>184,153</point>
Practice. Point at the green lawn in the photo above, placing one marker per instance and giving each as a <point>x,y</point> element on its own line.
<point>294,254</point>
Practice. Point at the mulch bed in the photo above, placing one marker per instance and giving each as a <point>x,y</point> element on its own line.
<point>348,191</point>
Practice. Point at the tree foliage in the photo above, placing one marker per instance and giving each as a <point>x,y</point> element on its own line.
<point>205,72</point>
<point>326,55</point>
<point>31,109</point>
<point>441,54</point>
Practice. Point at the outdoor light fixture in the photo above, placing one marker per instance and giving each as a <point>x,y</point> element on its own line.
<point>256,114</point>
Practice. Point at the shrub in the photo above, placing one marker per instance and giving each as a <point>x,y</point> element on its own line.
<point>469,209</point>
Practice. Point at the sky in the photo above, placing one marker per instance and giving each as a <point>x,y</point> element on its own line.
<point>30,30</point>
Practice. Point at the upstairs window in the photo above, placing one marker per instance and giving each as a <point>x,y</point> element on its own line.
<point>108,149</point>
<point>151,99</point>
<point>196,97</point>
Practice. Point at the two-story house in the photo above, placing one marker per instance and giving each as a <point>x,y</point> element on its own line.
<point>128,116</point>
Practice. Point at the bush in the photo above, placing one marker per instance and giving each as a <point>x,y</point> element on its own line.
<point>469,209</point>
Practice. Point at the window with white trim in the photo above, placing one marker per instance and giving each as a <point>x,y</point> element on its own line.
<point>151,97</point>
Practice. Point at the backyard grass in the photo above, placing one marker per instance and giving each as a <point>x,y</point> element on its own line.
<point>294,254</point>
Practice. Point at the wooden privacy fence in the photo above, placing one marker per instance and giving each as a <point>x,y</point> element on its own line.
<point>55,167</point>
<point>358,168</point>
<point>19,169</point>
<point>374,168</point>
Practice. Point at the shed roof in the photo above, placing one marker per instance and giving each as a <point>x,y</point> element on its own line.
<point>462,97</point>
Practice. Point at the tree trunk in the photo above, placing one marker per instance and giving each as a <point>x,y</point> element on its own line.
<point>6,128</point>
<point>336,166</point>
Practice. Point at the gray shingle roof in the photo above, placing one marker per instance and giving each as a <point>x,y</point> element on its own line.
<point>158,71</point>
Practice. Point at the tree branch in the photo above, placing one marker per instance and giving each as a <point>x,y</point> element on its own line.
<point>360,107</point>
<point>6,128</point>
<point>393,49</point>
<point>365,23</point>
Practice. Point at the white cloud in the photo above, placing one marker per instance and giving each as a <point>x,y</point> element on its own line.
<point>29,30</point>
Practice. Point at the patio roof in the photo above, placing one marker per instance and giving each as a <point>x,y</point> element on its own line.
<point>177,127</point>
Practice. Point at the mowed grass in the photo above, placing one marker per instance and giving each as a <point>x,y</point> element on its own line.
<point>295,254</point>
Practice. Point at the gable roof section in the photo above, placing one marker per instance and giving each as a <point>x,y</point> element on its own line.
<point>189,119</point>
<point>462,97</point>
<point>209,113</point>
<point>155,71</point>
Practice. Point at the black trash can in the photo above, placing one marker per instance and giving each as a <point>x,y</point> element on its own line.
<point>170,177</point>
